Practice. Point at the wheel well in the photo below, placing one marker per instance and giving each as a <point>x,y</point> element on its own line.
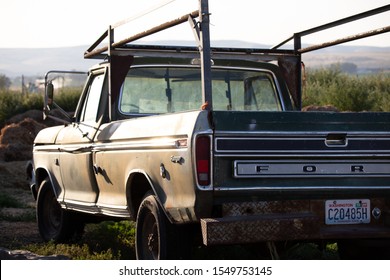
<point>137,186</point>
<point>40,175</point>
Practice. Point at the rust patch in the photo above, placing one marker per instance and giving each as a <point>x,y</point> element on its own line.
<point>236,230</point>
<point>265,207</point>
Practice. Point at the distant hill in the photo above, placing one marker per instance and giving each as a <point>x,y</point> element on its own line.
<point>367,59</point>
<point>36,62</point>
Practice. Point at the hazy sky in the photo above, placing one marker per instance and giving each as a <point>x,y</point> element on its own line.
<point>53,23</point>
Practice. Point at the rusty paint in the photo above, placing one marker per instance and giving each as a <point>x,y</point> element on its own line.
<point>240,230</point>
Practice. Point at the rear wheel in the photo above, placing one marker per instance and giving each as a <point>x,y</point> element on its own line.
<point>150,231</point>
<point>54,223</point>
<point>156,237</point>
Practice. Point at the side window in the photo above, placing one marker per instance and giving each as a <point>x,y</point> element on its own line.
<point>92,99</point>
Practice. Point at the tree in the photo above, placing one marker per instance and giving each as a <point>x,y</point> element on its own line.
<point>5,82</point>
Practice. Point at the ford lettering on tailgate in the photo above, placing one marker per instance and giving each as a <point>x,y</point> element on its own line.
<point>295,168</point>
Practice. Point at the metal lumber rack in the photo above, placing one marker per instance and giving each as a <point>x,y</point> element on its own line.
<point>297,37</point>
<point>202,38</point>
<point>289,59</point>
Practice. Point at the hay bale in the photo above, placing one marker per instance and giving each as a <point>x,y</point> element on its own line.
<point>16,140</point>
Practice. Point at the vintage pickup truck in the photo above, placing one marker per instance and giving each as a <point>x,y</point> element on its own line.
<point>211,142</point>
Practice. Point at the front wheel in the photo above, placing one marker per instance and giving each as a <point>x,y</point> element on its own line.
<point>54,223</point>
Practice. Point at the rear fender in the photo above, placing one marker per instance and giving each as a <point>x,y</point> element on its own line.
<point>138,184</point>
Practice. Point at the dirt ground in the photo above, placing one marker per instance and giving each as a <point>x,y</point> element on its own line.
<point>17,224</point>
<point>17,205</point>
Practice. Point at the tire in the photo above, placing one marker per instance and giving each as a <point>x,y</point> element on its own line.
<point>54,223</point>
<point>156,238</point>
<point>150,231</point>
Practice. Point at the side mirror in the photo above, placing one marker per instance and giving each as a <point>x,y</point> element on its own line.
<point>48,101</point>
<point>49,93</point>
<point>73,77</point>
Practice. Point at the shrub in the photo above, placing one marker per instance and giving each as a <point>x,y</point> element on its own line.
<point>68,99</point>
<point>119,237</point>
<point>347,92</point>
<point>14,102</point>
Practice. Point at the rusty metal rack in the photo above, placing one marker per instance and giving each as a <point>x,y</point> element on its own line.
<point>289,59</point>
<point>297,37</point>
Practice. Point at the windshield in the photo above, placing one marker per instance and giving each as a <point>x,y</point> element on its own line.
<point>158,90</point>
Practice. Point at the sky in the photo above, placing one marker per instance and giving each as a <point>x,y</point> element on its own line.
<point>53,23</point>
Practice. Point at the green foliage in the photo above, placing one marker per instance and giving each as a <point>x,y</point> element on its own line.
<point>68,99</point>
<point>73,251</point>
<point>14,102</point>
<point>119,237</point>
<point>103,241</point>
<point>5,82</point>
<point>311,251</point>
<point>347,92</point>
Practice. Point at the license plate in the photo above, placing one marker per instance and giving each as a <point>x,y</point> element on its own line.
<point>352,211</point>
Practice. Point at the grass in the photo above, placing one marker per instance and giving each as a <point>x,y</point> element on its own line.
<point>25,216</point>
<point>311,251</point>
<point>73,251</point>
<point>119,237</point>
<point>102,241</point>
<point>7,201</point>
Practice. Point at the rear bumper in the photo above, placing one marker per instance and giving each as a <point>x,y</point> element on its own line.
<point>234,230</point>
<point>289,224</point>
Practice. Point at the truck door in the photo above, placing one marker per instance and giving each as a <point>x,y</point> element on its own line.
<point>75,147</point>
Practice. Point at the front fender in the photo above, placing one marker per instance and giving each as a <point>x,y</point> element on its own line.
<point>40,174</point>
<point>30,171</point>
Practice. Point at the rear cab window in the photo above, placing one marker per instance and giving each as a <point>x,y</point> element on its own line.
<point>160,90</point>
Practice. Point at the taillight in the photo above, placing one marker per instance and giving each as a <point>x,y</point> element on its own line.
<point>202,153</point>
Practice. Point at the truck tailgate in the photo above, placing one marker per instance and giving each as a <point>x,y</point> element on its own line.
<point>295,151</point>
